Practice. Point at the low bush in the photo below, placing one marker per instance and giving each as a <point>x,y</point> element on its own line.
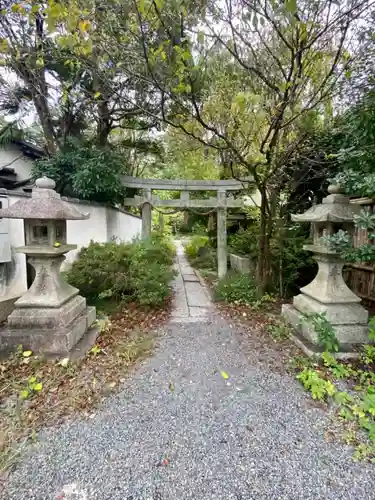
<point>150,270</point>
<point>101,268</point>
<point>197,245</point>
<point>200,252</point>
<point>236,288</point>
<point>140,271</point>
<point>244,242</point>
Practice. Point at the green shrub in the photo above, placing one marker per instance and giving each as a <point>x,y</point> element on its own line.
<point>245,242</point>
<point>200,252</point>
<point>151,270</point>
<point>158,248</point>
<point>206,260</point>
<point>236,287</point>
<point>195,244</point>
<point>140,271</point>
<point>102,268</point>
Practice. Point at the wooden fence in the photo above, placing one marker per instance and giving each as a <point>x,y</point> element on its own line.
<point>360,276</point>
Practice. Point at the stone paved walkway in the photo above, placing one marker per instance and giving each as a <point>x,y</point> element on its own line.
<point>191,299</point>
<point>179,431</point>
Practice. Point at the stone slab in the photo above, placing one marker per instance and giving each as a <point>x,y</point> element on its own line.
<point>90,315</point>
<point>190,277</point>
<point>190,319</point>
<point>186,270</point>
<point>347,335</point>
<point>241,264</point>
<point>338,314</point>
<point>58,341</point>
<point>196,296</point>
<point>48,317</point>
<point>7,307</point>
<point>83,346</point>
<point>198,312</point>
<point>313,352</point>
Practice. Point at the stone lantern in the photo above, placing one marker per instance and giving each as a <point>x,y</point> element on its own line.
<point>50,317</point>
<point>328,293</point>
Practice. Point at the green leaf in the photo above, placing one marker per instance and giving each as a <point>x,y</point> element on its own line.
<point>95,349</point>
<point>159,4</point>
<point>24,394</point>
<point>27,354</point>
<point>38,387</point>
<point>39,62</point>
<point>224,375</point>
<point>200,37</point>
<point>291,6</point>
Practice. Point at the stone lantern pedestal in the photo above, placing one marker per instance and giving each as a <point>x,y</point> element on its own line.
<point>51,317</point>
<point>328,292</point>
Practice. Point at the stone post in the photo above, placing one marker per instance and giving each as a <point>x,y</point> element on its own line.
<point>222,257</point>
<point>161,223</point>
<point>146,215</point>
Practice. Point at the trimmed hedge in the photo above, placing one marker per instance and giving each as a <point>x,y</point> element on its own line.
<point>139,271</point>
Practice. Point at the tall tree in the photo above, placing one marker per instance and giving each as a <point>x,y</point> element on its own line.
<point>284,64</point>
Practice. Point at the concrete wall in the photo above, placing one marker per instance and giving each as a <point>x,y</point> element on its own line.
<point>103,225</point>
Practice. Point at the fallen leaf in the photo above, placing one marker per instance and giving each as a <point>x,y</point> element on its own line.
<point>171,386</point>
<point>64,362</point>
<point>27,354</point>
<point>224,375</point>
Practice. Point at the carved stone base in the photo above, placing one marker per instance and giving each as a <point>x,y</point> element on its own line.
<point>42,317</point>
<point>337,314</point>
<point>57,341</point>
<point>350,336</point>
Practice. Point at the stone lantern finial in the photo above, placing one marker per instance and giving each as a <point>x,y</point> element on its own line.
<point>45,183</point>
<point>328,292</point>
<point>334,189</point>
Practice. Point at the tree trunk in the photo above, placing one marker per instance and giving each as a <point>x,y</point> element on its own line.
<point>104,126</point>
<point>263,256</point>
<point>41,106</point>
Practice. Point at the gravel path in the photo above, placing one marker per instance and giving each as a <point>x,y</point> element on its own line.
<point>180,431</point>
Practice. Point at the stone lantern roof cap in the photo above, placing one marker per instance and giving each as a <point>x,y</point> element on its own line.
<point>334,208</point>
<point>45,203</point>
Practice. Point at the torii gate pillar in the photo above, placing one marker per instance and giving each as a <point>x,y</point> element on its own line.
<point>222,254</point>
<point>146,215</point>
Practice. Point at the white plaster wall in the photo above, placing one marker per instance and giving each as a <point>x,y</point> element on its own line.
<point>81,232</point>
<point>103,225</point>
<point>22,166</point>
<point>122,226</point>
<point>18,282</point>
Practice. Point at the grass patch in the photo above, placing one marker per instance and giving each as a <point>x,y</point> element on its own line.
<point>35,393</point>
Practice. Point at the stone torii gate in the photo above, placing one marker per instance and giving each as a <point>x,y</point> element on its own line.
<point>221,202</point>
